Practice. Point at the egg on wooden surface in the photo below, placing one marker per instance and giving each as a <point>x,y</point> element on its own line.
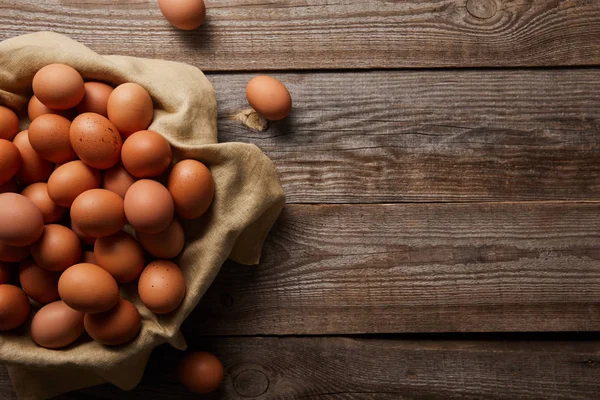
<point>96,140</point>
<point>130,108</point>
<point>117,179</point>
<point>269,97</point>
<point>33,167</point>
<point>12,254</point>
<point>57,249</point>
<point>161,286</point>
<point>6,272</point>
<point>165,244</point>
<point>70,180</point>
<point>39,283</point>
<point>10,160</point>
<point>116,326</point>
<point>35,108</point>
<point>9,123</point>
<point>186,15</point>
<point>38,194</point>
<point>149,206</point>
<point>201,372</point>
<point>95,99</point>
<point>49,137</point>
<point>121,255</point>
<point>21,222</point>
<point>56,325</point>
<point>146,154</point>
<point>98,213</point>
<point>192,187</point>
<point>88,288</point>
<point>58,86</point>
<point>14,307</point>
<point>88,257</point>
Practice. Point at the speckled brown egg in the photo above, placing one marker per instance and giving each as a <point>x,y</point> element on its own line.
<point>146,154</point>
<point>10,160</point>
<point>49,137</point>
<point>56,325</point>
<point>95,99</point>
<point>57,249</point>
<point>201,372</point>
<point>6,272</point>
<point>33,167</point>
<point>121,255</point>
<point>148,206</point>
<point>183,14</point>
<point>70,180</point>
<point>14,307</point>
<point>58,86</point>
<point>96,140</point>
<point>9,123</point>
<point>88,288</point>
<point>161,286</point>
<point>35,108</point>
<point>21,222</point>
<point>166,244</point>
<point>116,326</point>
<point>39,283</point>
<point>269,97</point>
<point>192,187</point>
<point>12,254</point>
<point>98,213</point>
<point>38,194</point>
<point>130,108</point>
<point>117,179</point>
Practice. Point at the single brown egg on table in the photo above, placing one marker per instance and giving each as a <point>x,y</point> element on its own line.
<point>116,326</point>
<point>35,108</point>
<point>186,15</point>
<point>130,108</point>
<point>98,213</point>
<point>57,249</point>
<point>14,307</point>
<point>11,186</point>
<point>9,123</point>
<point>117,179</point>
<point>58,86</point>
<point>192,187</point>
<point>38,194</point>
<point>33,167</point>
<point>165,244</point>
<point>161,286</point>
<point>121,255</point>
<point>96,140</point>
<point>88,288</point>
<point>12,254</point>
<point>146,154</point>
<point>70,180</point>
<point>49,137</point>
<point>88,257</point>
<point>10,160</point>
<point>39,283</point>
<point>269,97</point>
<point>89,240</point>
<point>149,206</point>
<point>56,325</point>
<point>95,99</point>
<point>6,272</point>
<point>21,222</point>
<point>201,372</point>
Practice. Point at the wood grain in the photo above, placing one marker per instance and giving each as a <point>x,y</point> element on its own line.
<point>428,136</point>
<point>349,269</point>
<point>316,34</point>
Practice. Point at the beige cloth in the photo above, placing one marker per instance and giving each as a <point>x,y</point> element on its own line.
<point>248,200</point>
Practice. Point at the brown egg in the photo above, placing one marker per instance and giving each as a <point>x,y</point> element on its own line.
<point>121,255</point>
<point>95,99</point>
<point>117,179</point>
<point>56,325</point>
<point>70,180</point>
<point>12,253</point>
<point>9,187</point>
<point>58,86</point>
<point>38,194</point>
<point>146,154</point>
<point>57,249</point>
<point>130,108</point>
<point>10,160</point>
<point>39,283</point>
<point>33,167</point>
<point>166,244</point>
<point>192,187</point>
<point>21,222</point>
<point>88,288</point>
<point>96,140</point>
<point>201,372</point>
<point>116,326</point>
<point>98,213</point>
<point>269,97</point>
<point>161,287</point>
<point>9,123</point>
<point>6,270</point>
<point>148,206</point>
<point>89,257</point>
<point>35,108</point>
<point>186,15</point>
<point>49,137</point>
<point>89,240</point>
<point>14,307</point>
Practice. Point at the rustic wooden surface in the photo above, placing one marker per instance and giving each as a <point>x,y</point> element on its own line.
<point>438,184</point>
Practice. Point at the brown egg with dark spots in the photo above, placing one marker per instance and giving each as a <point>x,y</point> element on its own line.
<point>33,167</point>
<point>21,221</point>
<point>130,108</point>
<point>192,187</point>
<point>58,86</point>
<point>201,372</point>
<point>38,194</point>
<point>161,287</point>
<point>96,140</point>
<point>39,283</point>
<point>95,99</point>
<point>14,307</point>
<point>121,255</point>
<point>117,179</point>
<point>70,180</point>
<point>88,288</point>
<point>116,326</point>
<point>49,137</point>
<point>57,249</point>
<point>10,160</point>
<point>146,154</point>
<point>9,123</point>
<point>98,213</point>
<point>56,325</point>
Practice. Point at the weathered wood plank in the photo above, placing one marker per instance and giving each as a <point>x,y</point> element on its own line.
<point>308,34</point>
<point>409,136</point>
<point>484,267</point>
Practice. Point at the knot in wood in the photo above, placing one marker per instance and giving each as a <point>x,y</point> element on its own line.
<point>250,383</point>
<point>482,9</point>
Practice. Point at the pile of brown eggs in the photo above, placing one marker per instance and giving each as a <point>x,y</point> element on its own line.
<point>87,175</point>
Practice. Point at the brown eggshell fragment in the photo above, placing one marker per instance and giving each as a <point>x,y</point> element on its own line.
<point>12,253</point>
<point>161,286</point>
<point>14,307</point>
<point>6,271</point>
<point>10,160</point>
<point>58,86</point>
<point>192,187</point>
<point>70,180</point>
<point>9,123</point>
<point>130,108</point>
<point>35,108</point>
<point>88,288</point>
<point>39,283</point>
<point>33,167</point>
<point>57,249</point>
<point>49,137</point>
<point>56,325</point>
<point>98,213</point>
<point>146,154</point>
<point>269,97</point>
<point>166,244</point>
<point>95,99</point>
<point>21,221</point>
<point>38,194</point>
<point>117,179</point>
<point>148,206</point>
<point>96,140</point>
<point>121,255</point>
<point>201,372</point>
<point>116,326</point>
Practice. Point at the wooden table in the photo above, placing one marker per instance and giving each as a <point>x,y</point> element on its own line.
<point>442,170</point>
